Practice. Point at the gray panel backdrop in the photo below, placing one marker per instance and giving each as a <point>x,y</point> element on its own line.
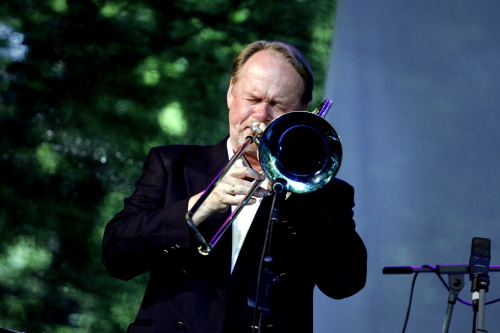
<point>415,90</point>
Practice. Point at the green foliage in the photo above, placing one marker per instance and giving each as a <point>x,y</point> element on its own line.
<point>87,87</point>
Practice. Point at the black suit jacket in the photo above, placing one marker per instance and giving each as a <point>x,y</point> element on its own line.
<point>314,244</point>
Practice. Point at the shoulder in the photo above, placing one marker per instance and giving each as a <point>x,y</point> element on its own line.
<point>179,151</point>
<point>336,184</point>
<point>336,189</point>
<point>340,184</point>
<point>188,152</point>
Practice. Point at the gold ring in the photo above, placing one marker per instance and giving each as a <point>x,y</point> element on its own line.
<point>232,189</point>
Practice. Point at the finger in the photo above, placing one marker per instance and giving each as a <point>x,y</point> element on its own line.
<point>251,201</point>
<point>262,193</point>
<point>238,189</point>
<point>245,189</point>
<point>236,200</point>
<point>251,173</point>
<point>245,173</point>
<point>232,199</point>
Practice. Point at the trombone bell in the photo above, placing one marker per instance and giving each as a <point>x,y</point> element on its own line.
<point>301,148</point>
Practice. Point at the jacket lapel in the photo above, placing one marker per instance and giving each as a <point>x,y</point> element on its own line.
<point>198,178</point>
<point>199,175</point>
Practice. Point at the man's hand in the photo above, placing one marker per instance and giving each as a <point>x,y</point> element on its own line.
<point>230,191</point>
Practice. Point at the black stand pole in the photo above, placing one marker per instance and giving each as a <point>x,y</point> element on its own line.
<point>480,284</point>
<point>456,282</point>
<point>266,278</point>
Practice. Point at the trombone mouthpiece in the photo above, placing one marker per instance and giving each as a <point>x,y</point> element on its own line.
<point>258,127</point>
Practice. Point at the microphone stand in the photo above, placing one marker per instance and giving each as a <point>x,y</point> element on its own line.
<point>456,281</point>
<point>266,278</point>
<point>480,284</point>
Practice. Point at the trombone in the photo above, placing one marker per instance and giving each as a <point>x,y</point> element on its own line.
<point>299,149</point>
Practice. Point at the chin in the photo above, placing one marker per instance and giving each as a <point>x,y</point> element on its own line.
<point>252,149</point>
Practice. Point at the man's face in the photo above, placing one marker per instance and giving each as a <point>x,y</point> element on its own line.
<point>267,88</point>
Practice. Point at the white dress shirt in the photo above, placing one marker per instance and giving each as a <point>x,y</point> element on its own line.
<point>241,224</point>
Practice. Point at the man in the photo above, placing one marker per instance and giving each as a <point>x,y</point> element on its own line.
<point>314,244</point>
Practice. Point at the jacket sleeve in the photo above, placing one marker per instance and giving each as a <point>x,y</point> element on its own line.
<point>338,253</point>
<point>146,228</point>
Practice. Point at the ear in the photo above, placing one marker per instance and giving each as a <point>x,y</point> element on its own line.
<point>230,95</point>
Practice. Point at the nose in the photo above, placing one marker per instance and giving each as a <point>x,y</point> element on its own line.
<point>263,112</point>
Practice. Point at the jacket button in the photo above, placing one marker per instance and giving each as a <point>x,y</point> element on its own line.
<point>180,324</point>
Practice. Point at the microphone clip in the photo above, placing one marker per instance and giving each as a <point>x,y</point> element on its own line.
<point>480,281</point>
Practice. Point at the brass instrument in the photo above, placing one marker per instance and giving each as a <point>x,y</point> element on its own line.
<point>300,148</point>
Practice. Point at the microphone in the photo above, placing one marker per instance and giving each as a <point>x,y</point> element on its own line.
<point>479,263</point>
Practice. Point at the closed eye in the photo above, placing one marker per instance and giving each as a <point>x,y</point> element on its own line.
<point>254,100</point>
<point>278,107</point>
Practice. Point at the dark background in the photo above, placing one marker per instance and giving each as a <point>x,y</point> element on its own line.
<point>86,89</point>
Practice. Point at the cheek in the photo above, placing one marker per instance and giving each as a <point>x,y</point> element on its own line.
<point>233,119</point>
<point>237,116</point>
<point>276,114</point>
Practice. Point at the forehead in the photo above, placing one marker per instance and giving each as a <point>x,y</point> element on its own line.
<point>269,60</point>
<point>270,70</point>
